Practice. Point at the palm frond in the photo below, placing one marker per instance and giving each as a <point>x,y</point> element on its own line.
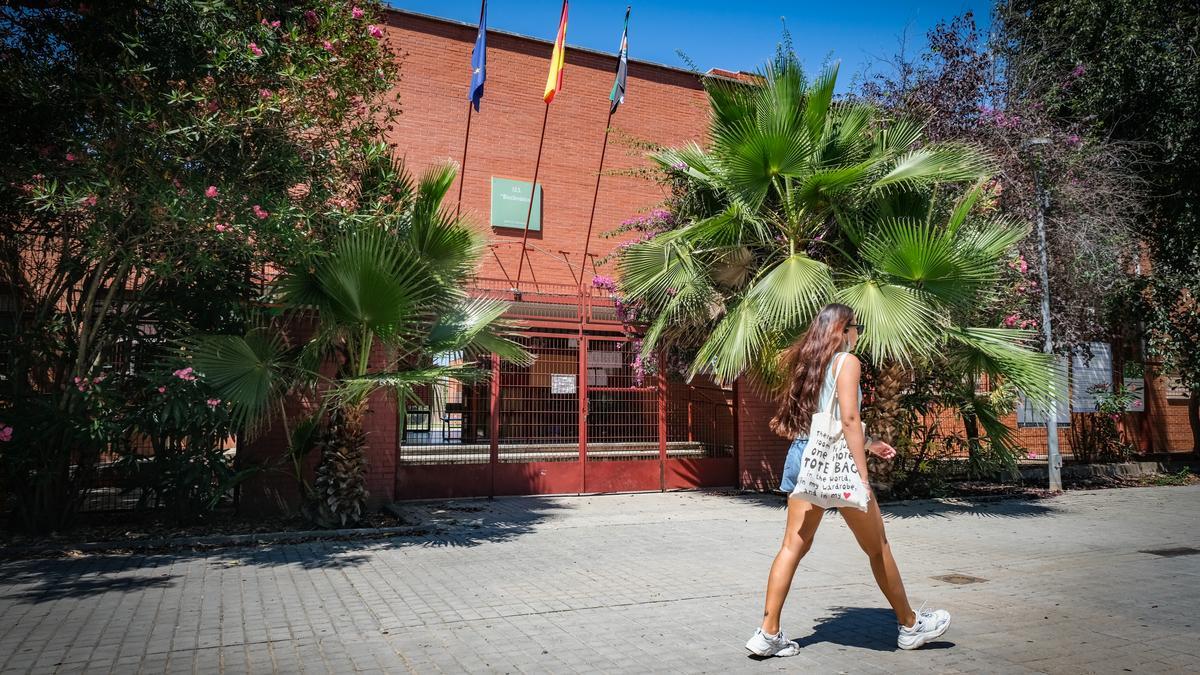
<point>934,163</point>
<point>900,323</point>
<point>249,371</point>
<point>1007,353</point>
<point>737,339</point>
<point>792,292</point>
<point>752,155</point>
<point>963,207</point>
<point>353,390</point>
<point>924,256</point>
<point>474,328</point>
<point>816,108</point>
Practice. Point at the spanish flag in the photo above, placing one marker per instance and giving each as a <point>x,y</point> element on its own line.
<point>554,79</point>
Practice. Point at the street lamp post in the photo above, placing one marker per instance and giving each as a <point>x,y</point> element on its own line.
<point>1053,455</point>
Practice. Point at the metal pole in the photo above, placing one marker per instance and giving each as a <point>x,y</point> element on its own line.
<point>1053,456</point>
<point>462,170</point>
<point>532,195</point>
<point>587,240</point>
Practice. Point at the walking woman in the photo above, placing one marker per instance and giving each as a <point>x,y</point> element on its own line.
<point>820,364</point>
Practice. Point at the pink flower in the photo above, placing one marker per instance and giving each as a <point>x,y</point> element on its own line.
<point>221,227</point>
<point>255,49</point>
<point>374,31</point>
<point>213,402</point>
<point>213,106</point>
<point>356,13</point>
<point>1010,320</point>
<point>327,46</point>
<point>260,212</point>
<point>88,201</point>
<point>275,23</point>
<point>162,390</point>
<point>6,433</point>
<point>212,192</point>
<point>70,157</point>
<point>264,93</point>
<point>185,374</point>
<point>1023,266</point>
<point>1078,71</point>
<point>310,17</point>
<point>1073,140</point>
<point>263,22</point>
<point>604,283</point>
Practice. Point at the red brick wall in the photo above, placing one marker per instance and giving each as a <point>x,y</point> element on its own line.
<point>760,451</point>
<point>662,105</point>
<point>275,490</point>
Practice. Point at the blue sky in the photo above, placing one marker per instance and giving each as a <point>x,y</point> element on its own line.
<point>734,34</point>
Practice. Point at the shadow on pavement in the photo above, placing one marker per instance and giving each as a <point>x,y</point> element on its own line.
<point>1014,507</point>
<point>57,579</point>
<point>862,627</point>
<point>452,524</point>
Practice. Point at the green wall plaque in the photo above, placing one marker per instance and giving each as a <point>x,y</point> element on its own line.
<point>510,204</point>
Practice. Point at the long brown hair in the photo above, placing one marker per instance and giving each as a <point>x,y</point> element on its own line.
<point>804,364</point>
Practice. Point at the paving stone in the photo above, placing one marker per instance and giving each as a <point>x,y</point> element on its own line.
<point>633,583</point>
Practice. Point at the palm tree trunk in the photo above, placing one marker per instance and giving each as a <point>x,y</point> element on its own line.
<point>341,484</point>
<point>886,418</point>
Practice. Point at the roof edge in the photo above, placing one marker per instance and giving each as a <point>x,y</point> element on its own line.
<point>522,36</point>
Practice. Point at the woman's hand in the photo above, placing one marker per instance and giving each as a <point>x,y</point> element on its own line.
<point>881,449</point>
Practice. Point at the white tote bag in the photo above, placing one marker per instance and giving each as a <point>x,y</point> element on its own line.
<point>829,477</point>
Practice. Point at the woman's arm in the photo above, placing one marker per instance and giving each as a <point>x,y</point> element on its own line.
<point>847,394</point>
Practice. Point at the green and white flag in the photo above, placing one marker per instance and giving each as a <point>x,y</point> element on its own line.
<point>617,96</point>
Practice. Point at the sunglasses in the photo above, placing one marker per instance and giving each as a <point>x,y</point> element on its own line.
<point>862,328</point>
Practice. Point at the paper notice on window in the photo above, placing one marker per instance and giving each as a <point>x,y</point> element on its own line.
<point>562,384</point>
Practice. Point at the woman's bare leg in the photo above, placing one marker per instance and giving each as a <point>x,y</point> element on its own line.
<point>868,530</point>
<point>802,522</point>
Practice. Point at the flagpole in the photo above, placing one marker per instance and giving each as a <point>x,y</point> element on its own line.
<point>462,172</point>
<point>532,196</point>
<point>595,195</point>
<point>476,92</point>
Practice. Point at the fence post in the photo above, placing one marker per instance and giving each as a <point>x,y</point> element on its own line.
<point>582,390</point>
<point>494,424</point>
<point>662,422</point>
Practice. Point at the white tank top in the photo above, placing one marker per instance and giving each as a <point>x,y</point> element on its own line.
<point>829,385</point>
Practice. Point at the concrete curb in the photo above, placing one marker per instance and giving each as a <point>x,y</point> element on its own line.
<point>1115,470</point>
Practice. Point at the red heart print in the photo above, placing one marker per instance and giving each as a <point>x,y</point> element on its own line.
<point>847,495</point>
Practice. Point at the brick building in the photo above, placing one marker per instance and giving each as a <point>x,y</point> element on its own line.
<point>579,419</point>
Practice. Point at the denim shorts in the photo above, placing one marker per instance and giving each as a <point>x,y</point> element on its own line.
<point>791,466</point>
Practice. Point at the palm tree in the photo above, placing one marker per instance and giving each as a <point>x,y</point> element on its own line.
<point>389,309</point>
<point>799,200</point>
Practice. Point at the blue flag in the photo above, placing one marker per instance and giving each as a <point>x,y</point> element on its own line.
<point>479,59</point>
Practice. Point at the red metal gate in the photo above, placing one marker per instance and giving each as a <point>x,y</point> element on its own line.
<point>580,419</point>
<point>624,445</point>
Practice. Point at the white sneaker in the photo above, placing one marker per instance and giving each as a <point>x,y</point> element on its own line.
<point>928,627</point>
<point>771,645</point>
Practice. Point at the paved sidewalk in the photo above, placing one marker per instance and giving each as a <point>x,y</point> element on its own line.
<point>634,583</point>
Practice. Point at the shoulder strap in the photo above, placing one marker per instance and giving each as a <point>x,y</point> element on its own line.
<point>837,370</point>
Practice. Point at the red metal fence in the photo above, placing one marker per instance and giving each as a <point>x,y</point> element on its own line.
<point>580,419</point>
